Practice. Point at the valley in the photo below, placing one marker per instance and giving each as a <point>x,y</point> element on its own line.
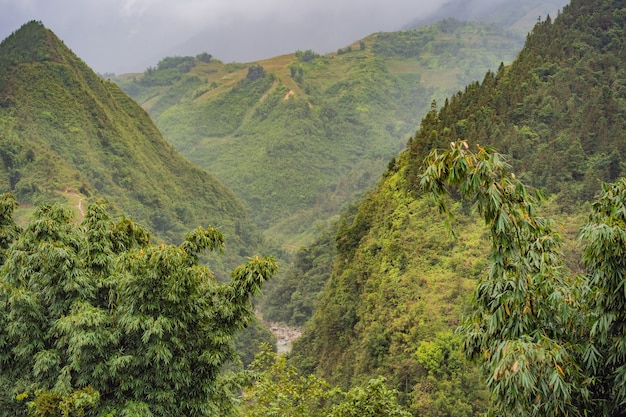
<point>429,222</point>
<point>327,125</point>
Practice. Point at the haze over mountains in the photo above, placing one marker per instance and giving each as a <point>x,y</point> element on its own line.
<point>384,284</point>
<point>521,17</point>
<point>127,36</point>
<point>305,133</point>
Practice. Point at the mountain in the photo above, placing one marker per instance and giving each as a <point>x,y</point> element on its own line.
<point>518,16</point>
<point>399,283</point>
<point>68,136</point>
<point>298,136</point>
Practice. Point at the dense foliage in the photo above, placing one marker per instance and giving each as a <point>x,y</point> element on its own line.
<point>317,130</point>
<point>525,317</point>
<point>550,344</point>
<point>278,389</point>
<point>98,317</point>
<point>548,331</point>
<point>293,298</point>
<point>557,115</point>
<point>67,136</point>
<point>397,287</point>
<point>557,112</point>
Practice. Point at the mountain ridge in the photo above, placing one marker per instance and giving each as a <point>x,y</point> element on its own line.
<point>65,128</point>
<point>499,13</point>
<point>398,284</point>
<point>338,118</point>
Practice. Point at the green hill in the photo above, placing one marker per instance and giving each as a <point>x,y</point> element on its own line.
<point>66,135</point>
<point>298,136</point>
<point>399,283</point>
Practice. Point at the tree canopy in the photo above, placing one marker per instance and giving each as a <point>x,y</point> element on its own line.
<point>276,388</point>
<point>97,316</point>
<point>550,344</point>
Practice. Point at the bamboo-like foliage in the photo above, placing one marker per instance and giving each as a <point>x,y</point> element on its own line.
<point>276,388</point>
<point>8,229</point>
<point>604,257</point>
<point>527,321</point>
<point>96,308</point>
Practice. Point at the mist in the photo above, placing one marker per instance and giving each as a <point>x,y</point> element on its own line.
<point>122,36</point>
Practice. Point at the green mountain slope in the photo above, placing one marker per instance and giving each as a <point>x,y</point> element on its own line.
<point>398,282</point>
<point>67,135</point>
<point>303,134</point>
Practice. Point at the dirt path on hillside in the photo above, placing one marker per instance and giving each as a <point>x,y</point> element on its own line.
<point>79,205</point>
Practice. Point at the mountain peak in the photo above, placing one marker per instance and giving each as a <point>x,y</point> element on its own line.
<point>32,42</point>
<point>68,136</point>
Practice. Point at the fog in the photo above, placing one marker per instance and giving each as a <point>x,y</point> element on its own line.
<point>129,35</point>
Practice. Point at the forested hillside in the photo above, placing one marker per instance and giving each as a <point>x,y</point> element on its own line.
<point>558,112</point>
<point>449,257</point>
<point>400,283</point>
<point>298,136</point>
<point>68,136</point>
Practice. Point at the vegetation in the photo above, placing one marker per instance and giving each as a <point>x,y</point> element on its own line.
<point>277,388</point>
<point>68,136</point>
<point>557,111</point>
<point>544,325</point>
<point>293,298</point>
<point>398,287</point>
<point>307,55</point>
<point>527,318</point>
<point>336,118</point>
<point>396,291</point>
<point>550,343</point>
<point>95,311</point>
<point>168,71</point>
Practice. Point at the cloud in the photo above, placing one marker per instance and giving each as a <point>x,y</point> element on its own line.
<point>129,35</point>
<point>132,8</point>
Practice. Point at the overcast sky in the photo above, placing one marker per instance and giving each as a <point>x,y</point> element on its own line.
<point>130,35</point>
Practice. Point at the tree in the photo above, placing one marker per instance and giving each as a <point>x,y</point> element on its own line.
<point>204,57</point>
<point>255,72</point>
<point>372,400</point>
<point>604,257</point>
<point>96,306</point>
<point>276,388</point>
<point>306,56</point>
<point>550,344</point>
<point>8,229</point>
<point>528,321</point>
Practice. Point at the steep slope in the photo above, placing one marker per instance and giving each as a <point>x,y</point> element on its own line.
<point>303,134</point>
<point>558,111</point>
<point>67,135</point>
<point>398,282</point>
